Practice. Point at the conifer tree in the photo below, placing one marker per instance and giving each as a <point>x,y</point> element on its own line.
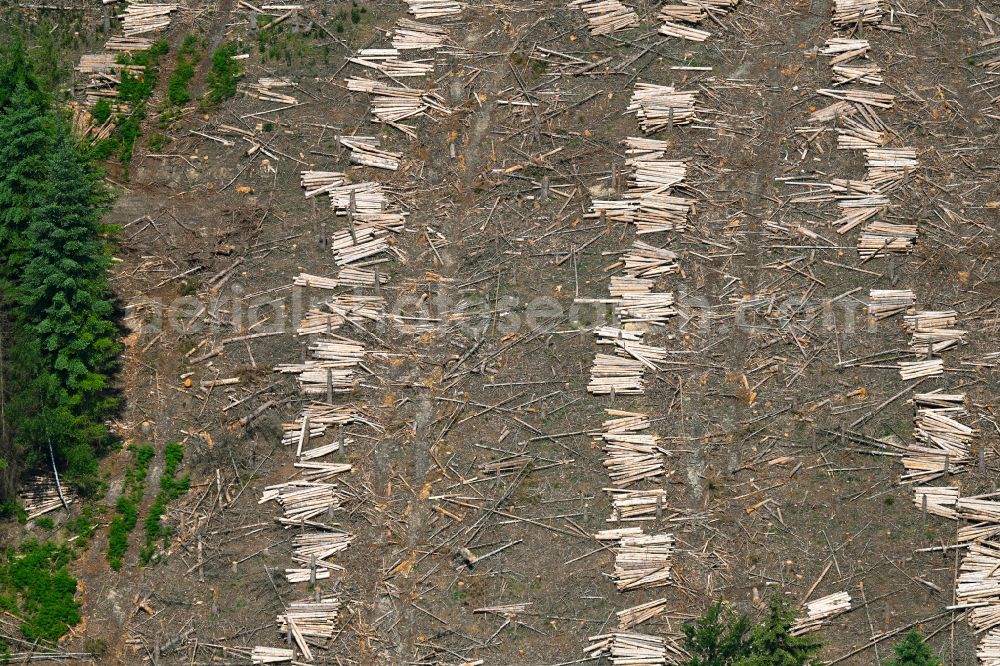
<point>914,651</point>
<point>63,296</point>
<point>63,301</point>
<point>772,642</point>
<point>16,70</point>
<point>716,638</point>
<point>24,143</point>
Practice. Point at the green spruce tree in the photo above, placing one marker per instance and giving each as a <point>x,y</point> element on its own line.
<point>16,70</point>
<point>772,642</point>
<point>717,638</point>
<point>914,651</point>
<point>63,294</point>
<point>24,143</point>
<point>63,301</point>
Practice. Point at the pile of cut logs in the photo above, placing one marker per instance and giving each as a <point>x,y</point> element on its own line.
<point>614,375</point>
<point>820,611</point>
<point>606,16</point>
<point>636,615</point>
<point>943,444</point>
<point>413,35</point>
<point>270,655</point>
<point>643,560</point>
<point>425,9</point>
<point>139,19</point>
<point>393,104</point>
<point>850,13</point>
<point>932,331</point>
<point>341,309</point>
<point>660,107</point>
<point>41,495</point>
<point>365,152</point>
<point>309,622</point>
<point>691,13</point>
<point>631,649</point>
<point>884,303</point>
<point>387,62</point>
<point>267,90</point>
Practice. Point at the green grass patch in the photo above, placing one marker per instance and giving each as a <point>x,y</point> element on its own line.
<point>127,507</point>
<point>36,586</point>
<point>224,75</point>
<point>171,487</point>
<point>188,56</point>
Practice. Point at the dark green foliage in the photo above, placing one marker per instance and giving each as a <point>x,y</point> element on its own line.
<point>82,526</point>
<point>177,89</point>
<point>121,525</point>
<point>45,523</point>
<point>717,638</point>
<point>127,507</point>
<point>36,586</point>
<point>60,343</point>
<point>68,345</point>
<point>17,70</point>
<point>224,75</point>
<point>102,111</point>
<point>914,651</point>
<point>187,58</point>
<point>11,509</point>
<point>24,142</point>
<point>772,644</point>
<point>171,488</point>
<point>722,637</point>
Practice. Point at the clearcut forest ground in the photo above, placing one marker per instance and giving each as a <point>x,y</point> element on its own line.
<point>758,382</point>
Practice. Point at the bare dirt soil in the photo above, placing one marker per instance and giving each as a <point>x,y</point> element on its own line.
<point>766,491</point>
